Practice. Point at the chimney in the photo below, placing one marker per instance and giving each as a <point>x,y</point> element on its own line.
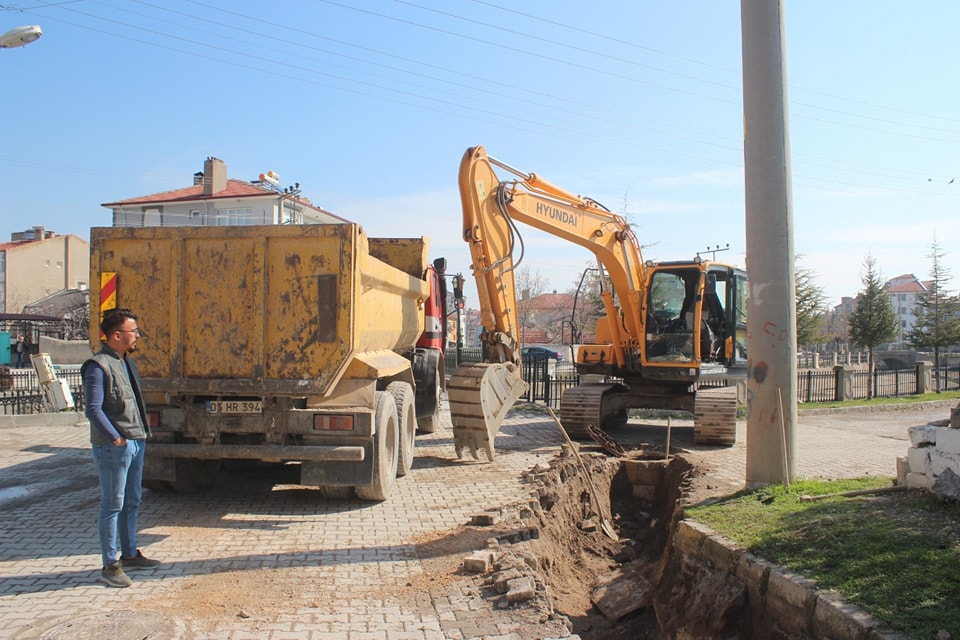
<point>214,176</point>
<point>198,178</point>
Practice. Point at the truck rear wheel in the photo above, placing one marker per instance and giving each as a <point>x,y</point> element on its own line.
<point>385,450</point>
<point>194,476</point>
<point>403,396</point>
<point>428,424</point>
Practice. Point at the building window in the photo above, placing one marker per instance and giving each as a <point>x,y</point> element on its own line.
<point>151,218</point>
<point>234,217</point>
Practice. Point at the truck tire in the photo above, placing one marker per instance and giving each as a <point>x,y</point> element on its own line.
<point>386,450</point>
<point>194,476</point>
<point>428,424</point>
<point>403,396</point>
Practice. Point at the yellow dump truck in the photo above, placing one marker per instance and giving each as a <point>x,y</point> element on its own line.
<point>301,343</point>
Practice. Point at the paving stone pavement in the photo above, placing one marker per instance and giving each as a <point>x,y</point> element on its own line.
<point>355,557</point>
<point>354,566</point>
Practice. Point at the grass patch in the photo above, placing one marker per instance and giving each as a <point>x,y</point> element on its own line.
<point>923,397</point>
<point>895,555</point>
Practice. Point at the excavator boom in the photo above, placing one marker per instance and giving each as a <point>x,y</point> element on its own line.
<point>481,394</point>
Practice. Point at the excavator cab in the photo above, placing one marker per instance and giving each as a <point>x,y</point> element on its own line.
<point>696,316</point>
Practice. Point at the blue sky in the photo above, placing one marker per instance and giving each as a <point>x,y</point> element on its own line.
<point>370,104</point>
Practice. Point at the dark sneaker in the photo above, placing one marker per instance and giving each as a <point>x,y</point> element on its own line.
<point>113,576</point>
<point>138,561</point>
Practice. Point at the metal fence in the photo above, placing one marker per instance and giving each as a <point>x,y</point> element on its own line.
<point>816,385</point>
<point>548,379</point>
<point>20,392</point>
<point>823,385</point>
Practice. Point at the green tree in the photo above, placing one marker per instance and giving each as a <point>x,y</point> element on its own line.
<point>937,323</point>
<point>811,308</point>
<point>873,321</point>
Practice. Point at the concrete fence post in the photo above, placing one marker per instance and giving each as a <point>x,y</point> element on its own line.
<point>924,377</point>
<point>844,378</point>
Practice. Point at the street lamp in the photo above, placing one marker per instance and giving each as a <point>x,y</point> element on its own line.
<point>20,36</point>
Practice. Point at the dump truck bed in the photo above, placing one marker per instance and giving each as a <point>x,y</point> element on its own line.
<point>260,310</point>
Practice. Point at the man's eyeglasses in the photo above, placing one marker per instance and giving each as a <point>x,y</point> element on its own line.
<point>136,331</point>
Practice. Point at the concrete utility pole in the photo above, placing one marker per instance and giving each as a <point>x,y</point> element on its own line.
<point>772,325</point>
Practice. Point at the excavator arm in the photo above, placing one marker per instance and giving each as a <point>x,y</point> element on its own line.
<point>481,394</point>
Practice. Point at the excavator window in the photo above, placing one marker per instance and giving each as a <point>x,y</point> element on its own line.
<point>671,304</point>
<point>713,318</point>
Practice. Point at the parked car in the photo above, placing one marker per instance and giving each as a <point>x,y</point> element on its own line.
<point>540,353</point>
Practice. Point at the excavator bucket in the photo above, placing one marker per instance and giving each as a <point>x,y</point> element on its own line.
<point>480,396</point>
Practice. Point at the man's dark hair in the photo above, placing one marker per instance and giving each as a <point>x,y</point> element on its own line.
<point>113,319</point>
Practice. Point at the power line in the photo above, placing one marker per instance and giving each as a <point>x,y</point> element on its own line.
<point>450,107</point>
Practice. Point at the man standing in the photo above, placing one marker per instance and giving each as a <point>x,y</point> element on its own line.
<point>21,353</point>
<point>118,432</point>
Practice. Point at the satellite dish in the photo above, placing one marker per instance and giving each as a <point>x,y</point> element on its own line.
<point>20,36</point>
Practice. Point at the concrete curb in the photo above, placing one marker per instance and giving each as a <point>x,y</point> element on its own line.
<point>774,592</point>
<point>64,419</point>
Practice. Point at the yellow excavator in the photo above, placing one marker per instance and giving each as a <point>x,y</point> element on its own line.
<point>673,335</point>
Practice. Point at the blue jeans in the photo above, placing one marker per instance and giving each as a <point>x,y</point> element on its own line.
<point>121,471</point>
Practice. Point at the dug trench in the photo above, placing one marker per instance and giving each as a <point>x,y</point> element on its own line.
<point>643,585</point>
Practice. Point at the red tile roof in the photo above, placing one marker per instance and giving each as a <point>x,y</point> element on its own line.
<point>551,301</point>
<point>906,287</point>
<point>12,245</point>
<point>235,189</point>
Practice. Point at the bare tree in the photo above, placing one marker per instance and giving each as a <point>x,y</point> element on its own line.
<point>838,326</point>
<point>75,324</point>
<point>811,308</point>
<point>530,283</point>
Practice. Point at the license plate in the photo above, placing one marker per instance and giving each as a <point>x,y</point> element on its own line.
<point>234,407</point>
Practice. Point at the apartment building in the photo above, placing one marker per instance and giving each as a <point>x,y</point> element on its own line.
<point>38,263</point>
<point>904,291</point>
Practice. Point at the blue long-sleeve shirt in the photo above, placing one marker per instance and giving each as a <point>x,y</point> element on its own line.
<point>93,397</point>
